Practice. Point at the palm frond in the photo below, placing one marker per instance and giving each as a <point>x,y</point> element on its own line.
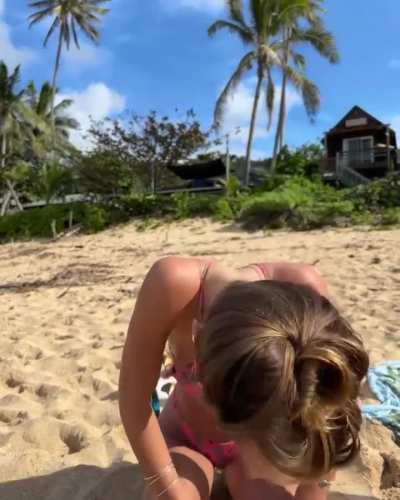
<point>244,65</point>
<point>235,9</point>
<point>309,91</point>
<point>54,25</point>
<point>39,16</point>
<point>244,34</point>
<point>299,60</point>
<point>74,33</point>
<point>44,102</point>
<point>322,41</point>
<point>63,105</point>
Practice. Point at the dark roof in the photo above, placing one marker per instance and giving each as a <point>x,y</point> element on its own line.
<point>200,170</point>
<point>357,112</point>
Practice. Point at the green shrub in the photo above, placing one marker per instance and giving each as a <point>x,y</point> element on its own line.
<point>36,223</point>
<point>180,203</point>
<point>298,203</point>
<point>201,205</point>
<point>382,193</point>
<point>321,214</point>
<point>390,217</point>
<point>143,205</point>
<point>224,210</point>
<point>96,219</point>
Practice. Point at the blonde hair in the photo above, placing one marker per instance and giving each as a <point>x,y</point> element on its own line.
<point>282,367</point>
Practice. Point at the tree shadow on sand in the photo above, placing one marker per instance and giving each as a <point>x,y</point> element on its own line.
<point>121,481</point>
<point>84,482</point>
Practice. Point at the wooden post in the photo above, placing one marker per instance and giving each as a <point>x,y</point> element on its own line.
<point>71,219</point>
<point>53,229</point>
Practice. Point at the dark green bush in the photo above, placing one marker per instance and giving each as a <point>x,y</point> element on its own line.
<point>382,193</point>
<point>36,223</point>
<point>321,214</point>
<point>298,203</point>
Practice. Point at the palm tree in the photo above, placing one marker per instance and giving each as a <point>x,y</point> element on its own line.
<point>14,122</point>
<point>41,104</point>
<point>258,34</point>
<point>67,16</point>
<point>293,63</point>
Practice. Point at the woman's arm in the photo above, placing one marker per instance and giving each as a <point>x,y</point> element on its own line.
<point>167,292</point>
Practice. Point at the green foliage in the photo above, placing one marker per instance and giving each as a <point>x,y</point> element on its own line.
<point>224,210</point>
<point>147,141</point>
<point>321,214</point>
<point>233,186</point>
<point>382,193</point>
<point>298,203</point>
<point>303,161</point>
<point>391,217</point>
<point>181,202</point>
<point>51,180</point>
<point>96,219</point>
<point>36,223</point>
<point>105,172</point>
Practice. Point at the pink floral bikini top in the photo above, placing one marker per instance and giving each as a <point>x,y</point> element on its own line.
<point>185,373</point>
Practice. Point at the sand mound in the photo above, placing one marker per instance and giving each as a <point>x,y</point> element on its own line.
<point>64,312</point>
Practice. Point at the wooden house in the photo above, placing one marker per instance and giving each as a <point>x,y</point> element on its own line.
<point>359,148</point>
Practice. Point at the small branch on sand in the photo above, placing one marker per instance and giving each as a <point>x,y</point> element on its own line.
<point>68,233</point>
<point>64,292</point>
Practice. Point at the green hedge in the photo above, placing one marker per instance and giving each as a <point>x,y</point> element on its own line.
<point>283,201</point>
<point>37,222</point>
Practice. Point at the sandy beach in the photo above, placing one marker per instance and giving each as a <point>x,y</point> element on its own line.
<point>64,310</point>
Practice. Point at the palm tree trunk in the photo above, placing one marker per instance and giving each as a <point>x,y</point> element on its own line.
<point>282,108</point>
<point>55,75</point>
<point>281,122</point>
<point>252,127</point>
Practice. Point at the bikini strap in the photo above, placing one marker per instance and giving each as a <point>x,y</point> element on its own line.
<point>264,270</point>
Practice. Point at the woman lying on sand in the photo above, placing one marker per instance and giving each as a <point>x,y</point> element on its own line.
<point>268,375</point>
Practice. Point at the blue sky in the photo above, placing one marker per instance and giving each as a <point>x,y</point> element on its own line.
<point>156,55</point>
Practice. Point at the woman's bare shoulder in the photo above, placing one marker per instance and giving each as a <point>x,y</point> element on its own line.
<point>301,273</point>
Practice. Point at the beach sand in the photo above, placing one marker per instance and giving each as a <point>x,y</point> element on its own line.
<point>64,310</point>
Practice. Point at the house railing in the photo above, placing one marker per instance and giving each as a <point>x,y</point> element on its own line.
<point>372,158</point>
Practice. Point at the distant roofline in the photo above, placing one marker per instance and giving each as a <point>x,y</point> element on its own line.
<point>359,108</point>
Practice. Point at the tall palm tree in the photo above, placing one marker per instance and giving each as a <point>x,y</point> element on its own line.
<point>41,103</point>
<point>67,16</point>
<point>257,33</point>
<point>293,32</point>
<point>14,122</point>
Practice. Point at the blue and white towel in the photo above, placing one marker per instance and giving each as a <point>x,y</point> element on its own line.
<point>384,381</point>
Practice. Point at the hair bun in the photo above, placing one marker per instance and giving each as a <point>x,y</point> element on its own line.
<point>325,383</point>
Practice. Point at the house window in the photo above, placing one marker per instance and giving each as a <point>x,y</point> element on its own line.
<point>358,151</point>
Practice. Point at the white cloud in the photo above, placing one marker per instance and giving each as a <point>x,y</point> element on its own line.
<point>9,53</point>
<point>205,5</point>
<point>97,101</point>
<point>394,64</point>
<point>88,56</point>
<point>239,109</point>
